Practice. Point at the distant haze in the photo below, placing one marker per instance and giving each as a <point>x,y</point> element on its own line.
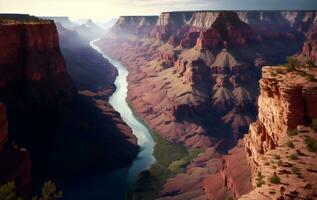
<point>102,10</point>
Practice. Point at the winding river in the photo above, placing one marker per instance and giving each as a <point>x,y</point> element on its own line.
<point>117,184</point>
<point>118,101</point>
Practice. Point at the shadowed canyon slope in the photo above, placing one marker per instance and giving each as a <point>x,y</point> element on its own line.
<point>195,74</point>
<point>65,133</point>
<point>193,78</point>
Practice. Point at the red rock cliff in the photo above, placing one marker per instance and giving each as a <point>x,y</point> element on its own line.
<point>287,102</point>
<point>30,53</point>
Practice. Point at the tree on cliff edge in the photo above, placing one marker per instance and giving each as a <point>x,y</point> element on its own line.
<point>49,192</point>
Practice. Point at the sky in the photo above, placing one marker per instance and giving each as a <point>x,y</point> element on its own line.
<point>102,10</point>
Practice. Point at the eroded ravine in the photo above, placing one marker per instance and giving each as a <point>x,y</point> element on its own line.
<point>145,157</point>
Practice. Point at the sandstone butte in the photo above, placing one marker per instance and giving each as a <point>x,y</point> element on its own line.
<point>193,77</point>
<point>40,106</point>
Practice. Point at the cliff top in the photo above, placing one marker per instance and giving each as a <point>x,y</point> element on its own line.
<point>9,19</point>
<point>297,76</point>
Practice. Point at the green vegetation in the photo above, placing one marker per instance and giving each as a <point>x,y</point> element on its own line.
<point>276,157</point>
<point>259,180</point>
<point>290,144</point>
<point>311,144</point>
<point>310,63</point>
<point>314,124</point>
<point>171,159</point>
<point>292,63</point>
<point>275,179</point>
<point>292,132</point>
<point>294,170</point>
<point>302,73</point>
<point>310,77</point>
<point>293,156</point>
<point>229,198</point>
<point>49,192</point>
<point>279,163</point>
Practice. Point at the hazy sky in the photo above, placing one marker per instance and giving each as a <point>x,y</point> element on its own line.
<point>103,9</point>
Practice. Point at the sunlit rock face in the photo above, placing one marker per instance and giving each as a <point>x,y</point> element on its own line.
<point>138,25</point>
<point>287,102</point>
<point>213,61</point>
<point>194,80</point>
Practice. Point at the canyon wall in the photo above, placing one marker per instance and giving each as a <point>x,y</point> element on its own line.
<point>203,61</point>
<point>46,115</point>
<point>15,162</point>
<point>194,77</point>
<point>287,106</point>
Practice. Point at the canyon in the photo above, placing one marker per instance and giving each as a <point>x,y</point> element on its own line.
<point>210,91</point>
<point>193,78</point>
<point>46,122</point>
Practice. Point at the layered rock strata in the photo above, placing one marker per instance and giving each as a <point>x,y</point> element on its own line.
<point>46,115</point>
<point>276,141</point>
<point>194,77</point>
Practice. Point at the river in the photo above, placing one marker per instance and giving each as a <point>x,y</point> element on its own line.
<point>118,100</point>
<point>117,184</point>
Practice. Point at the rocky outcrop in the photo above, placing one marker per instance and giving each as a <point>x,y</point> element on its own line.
<point>194,78</point>
<point>46,114</point>
<point>309,50</point>
<point>211,176</point>
<point>233,179</point>
<point>139,25</point>
<point>287,100</point>
<point>31,56</point>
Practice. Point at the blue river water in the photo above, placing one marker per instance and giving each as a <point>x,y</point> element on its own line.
<point>117,184</point>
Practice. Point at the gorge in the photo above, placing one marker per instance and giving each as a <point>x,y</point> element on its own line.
<point>190,105</point>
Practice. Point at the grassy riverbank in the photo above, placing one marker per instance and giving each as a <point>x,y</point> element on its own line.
<point>171,159</point>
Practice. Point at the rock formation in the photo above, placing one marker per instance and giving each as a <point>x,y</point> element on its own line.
<point>287,105</point>
<point>193,78</point>
<point>309,51</point>
<point>47,116</point>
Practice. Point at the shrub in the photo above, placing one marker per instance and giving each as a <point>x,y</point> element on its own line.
<point>294,170</point>
<point>279,71</point>
<point>311,77</point>
<point>311,144</point>
<point>314,124</point>
<point>290,144</point>
<point>49,192</point>
<point>275,179</point>
<point>259,179</point>
<point>276,157</point>
<point>292,63</point>
<point>292,132</point>
<point>302,73</point>
<point>293,156</point>
<point>279,163</point>
<point>229,198</point>
<point>310,63</point>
